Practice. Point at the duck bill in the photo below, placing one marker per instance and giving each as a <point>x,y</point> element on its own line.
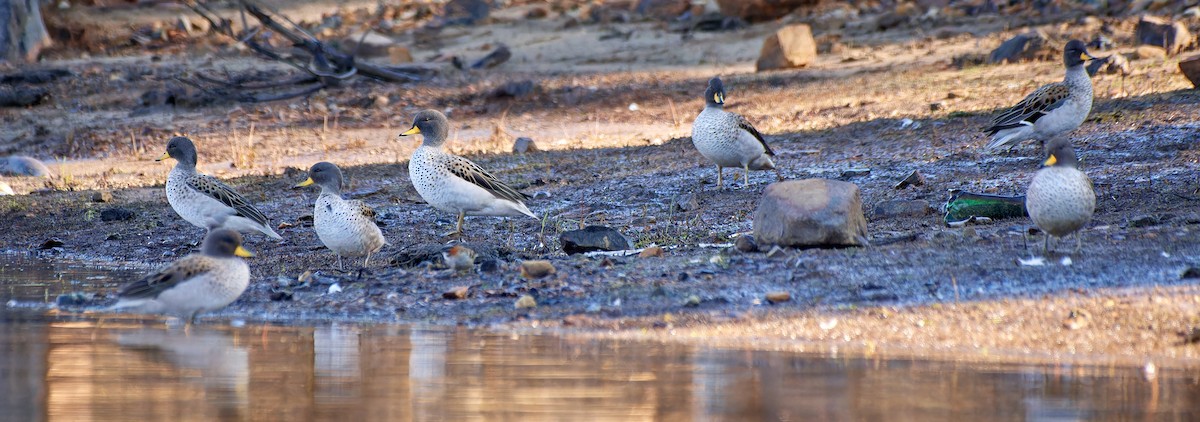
<point>1086,57</point>
<point>1050,161</point>
<point>306,182</point>
<point>165,156</point>
<point>412,131</point>
<point>242,252</point>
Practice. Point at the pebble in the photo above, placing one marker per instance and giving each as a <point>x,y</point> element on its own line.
<point>534,269</point>
<point>457,292</point>
<point>777,297</point>
<point>102,196</point>
<point>526,302</point>
<point>745,244</point>
<point>653,251</point>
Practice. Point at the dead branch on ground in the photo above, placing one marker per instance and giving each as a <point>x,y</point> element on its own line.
<point>323,66</point>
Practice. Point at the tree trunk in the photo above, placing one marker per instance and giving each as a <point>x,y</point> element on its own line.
<point>22,33</point>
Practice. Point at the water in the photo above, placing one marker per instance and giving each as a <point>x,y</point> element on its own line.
<point>78,368</point>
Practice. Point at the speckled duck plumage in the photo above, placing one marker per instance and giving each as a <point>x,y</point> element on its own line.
<point>205,201</point>
<point>1052,110</point>
<point>194,284</point>
<point>455,184</point>
<point>346,227</point>
<point>728,139</point>
<point>1060,199</point>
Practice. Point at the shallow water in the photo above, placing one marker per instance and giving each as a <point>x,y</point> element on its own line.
<point>63,367</point>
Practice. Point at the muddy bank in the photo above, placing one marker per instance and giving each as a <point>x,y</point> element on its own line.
<point>921,286</point>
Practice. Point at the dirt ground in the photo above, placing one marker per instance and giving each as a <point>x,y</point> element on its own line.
<point>612,117</point>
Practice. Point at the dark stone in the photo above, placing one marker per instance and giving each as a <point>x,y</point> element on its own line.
<point>489,265</point>
<point>102,196</point>
<point>1023,47</point>
<point>593,238</point>
<point>686,202</point>
<point>51,244</point>
<point>73,299</point>
<point>1191,69</point>
<point>913,179</point>
<point>746,243</point>
<point>116,214</point>
<point>36,76</point>
<point>1144,221</point>
<point>514,89</point>
<point>22,96</point>
<point>1158,32</point>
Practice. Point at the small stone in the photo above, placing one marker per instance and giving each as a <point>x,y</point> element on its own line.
<point>515,89</point>
<point>373,44</point>
<point>1150,52</point>
<point>1191,69</point>
<point>73,299</point>
<point>489,265</point>
<point>457,292</point>
<point>526,302</point>
<point>1115,64</point>
<point>790,47</point>
<point>650,252</point>
<point>686,202</point>
<point>534,269</point>
<point>692,301</point>
<point>776,252</point>
<point>524,145</point>
<point>1190,272</point>
<point>380,101</point>
<point>1159,32</point>
<point>116,214</point>
<point>903,208</point>
<point>102,196</point>
<point>855,172</point>
<point>593,238</point>
<point>1143,221</point>
<point>913,179</point>
<point>51,244</point>
<point>777,297</point>
<point>936,106</point>
<point>1031,45</point>
<point>810,212</point>
<point>745,243</point>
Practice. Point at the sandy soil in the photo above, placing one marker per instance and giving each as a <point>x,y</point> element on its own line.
<point>922,289</point>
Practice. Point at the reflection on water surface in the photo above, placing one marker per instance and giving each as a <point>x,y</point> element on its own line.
<point>81,370</point>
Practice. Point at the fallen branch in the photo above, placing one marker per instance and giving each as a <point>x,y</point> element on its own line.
<point>323,65</point>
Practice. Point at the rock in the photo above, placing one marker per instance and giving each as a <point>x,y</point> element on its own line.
<point>593,238</point>
<point>102,196</point>
<point>525,302</point>
<point>790,47</point>
<point>1031,45</point>
<point>458,292</point>
<point>1114,64</point>
<point>903,208</point>
<point>1150,52</point>
<point>373,45</point>
<point>913,179</point>
<point>777,297</point>
<point>1144,221</point>
<point>536,268</point>
<point>810,212</point>
<point>661,9</point>
<point>524,145</point>
<point>20,165</point>
<point>51,244</point>
<point>686,202</point>
<point>651,252</point>
<point>761,10</point>
<point>692,301</point>
<point>116,214</point>
<point>1158,32</point>
<point>1191,69</point>
<point>855,172</point>
<point>514,89</point>
<point>745,243</point>
<point>465,12</point>
<point>776,252</point>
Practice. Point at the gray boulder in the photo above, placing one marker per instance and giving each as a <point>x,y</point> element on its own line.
<point>810,213</point>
